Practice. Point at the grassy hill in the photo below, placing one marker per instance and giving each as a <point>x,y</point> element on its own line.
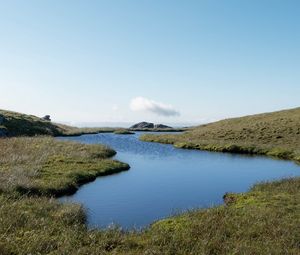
<point>18,124</point>
<point>274,134</point>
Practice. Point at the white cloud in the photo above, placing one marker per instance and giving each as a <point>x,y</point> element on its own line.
<point>144,104</point>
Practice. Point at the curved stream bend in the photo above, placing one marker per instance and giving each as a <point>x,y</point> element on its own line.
<point>164,180</point>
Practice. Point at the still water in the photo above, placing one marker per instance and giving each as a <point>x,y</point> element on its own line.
<point>164,180</point>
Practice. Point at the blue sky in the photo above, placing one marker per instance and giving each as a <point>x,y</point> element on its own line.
<point>162,61</point>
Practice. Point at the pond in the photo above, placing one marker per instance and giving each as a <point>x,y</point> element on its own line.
<point>164,180</point>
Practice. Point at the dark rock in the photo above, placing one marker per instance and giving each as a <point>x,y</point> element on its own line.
<point>142,125</point>
<point>47,118</point>
<point>3,132</point>
<point>161,126</point>
<point>2,119</point>
<point>149,125</point>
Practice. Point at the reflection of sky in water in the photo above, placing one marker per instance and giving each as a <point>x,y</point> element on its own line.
<point>163,180</point>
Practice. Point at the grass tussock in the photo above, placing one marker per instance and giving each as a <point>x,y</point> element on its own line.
<point>274,134</point>
<point>46,166</point>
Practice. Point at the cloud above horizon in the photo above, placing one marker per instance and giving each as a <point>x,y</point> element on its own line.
<point>148,105</point>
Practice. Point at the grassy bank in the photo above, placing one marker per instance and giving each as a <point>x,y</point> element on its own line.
<point>46,166</point>
<point>274,134</point>
<point>265,220</point>
<point>123,132</point>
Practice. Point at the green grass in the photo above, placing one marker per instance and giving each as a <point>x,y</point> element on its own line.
<point>45,166</point>
<point>75,131</point>
<point>123,132</point>
<point>265,220</point>
<point>274,134</point>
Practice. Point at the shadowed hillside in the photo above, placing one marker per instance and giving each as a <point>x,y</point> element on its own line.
<point>17,124</point>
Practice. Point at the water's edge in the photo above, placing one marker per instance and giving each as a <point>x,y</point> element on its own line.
<point>164,179</point>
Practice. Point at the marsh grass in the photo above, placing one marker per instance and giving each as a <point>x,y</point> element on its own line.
<point>123,132</point>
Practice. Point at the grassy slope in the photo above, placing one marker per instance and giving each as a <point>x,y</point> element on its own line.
<point>21,124</point>
<point>274,134</point>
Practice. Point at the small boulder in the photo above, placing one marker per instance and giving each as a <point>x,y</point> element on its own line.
<point>47,118</point>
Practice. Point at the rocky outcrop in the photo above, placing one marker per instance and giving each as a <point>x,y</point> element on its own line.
<point>3,130</point>
<point>149,125</point>
<point>47,118</point>
<point>142,125</point>
<point>161,126</point>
